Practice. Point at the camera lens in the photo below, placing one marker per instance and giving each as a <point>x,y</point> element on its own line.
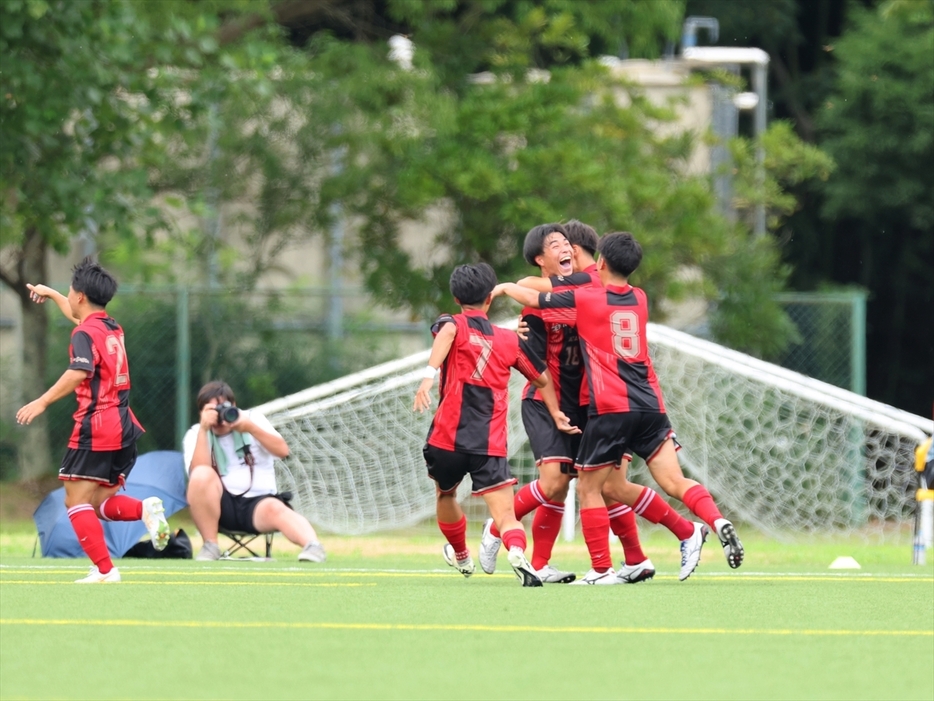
<point>230,414</point>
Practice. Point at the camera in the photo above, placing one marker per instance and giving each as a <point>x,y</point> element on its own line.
<point>227,413</point>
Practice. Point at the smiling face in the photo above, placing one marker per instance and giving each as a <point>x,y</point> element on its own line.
<point>557,256</point>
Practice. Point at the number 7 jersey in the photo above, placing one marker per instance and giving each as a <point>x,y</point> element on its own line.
<point>611,324</point>
<point>474,385</point>
<point>103,420</point>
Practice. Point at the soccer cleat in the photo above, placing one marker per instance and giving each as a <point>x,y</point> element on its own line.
<point>313,552</point>
<point>209,551</point>
<point>520,565</point>
<point>154,519</point>
<point>691,551</point>
<point>632,574</point>
<point>465,566</point>
<point>489,548</point>
<point>732,548</point>
<point>549,574</point>
<point>95,577</point>
<point>598,578</point>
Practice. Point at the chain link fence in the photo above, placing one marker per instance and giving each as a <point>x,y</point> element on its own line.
<point>832,329</point>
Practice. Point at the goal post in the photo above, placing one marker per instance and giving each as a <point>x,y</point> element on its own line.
<point>781,452</point>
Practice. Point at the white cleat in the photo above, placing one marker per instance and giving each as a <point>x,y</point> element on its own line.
<point>549,574</point>
<point>732,548</point>
<point>632,574</point>
<point>154,519</point>
<point>465,566</point>
<point>95,577</point>
<point>691,551</point>
<point>598,578</point>
<point>489,548</point>
<point>520,565</point>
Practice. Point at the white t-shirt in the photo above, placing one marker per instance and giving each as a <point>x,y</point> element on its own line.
<point>237,479</point>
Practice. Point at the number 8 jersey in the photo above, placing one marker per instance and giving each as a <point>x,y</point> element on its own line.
<point>474,385</point>
<point>103,420</point>
<point>611,324</point>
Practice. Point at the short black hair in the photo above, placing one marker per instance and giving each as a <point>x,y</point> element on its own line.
<point>89,278</point>
<point>215,389</point>
<point>583,235</point>
<point>472,284</point>
<point>621,252</point>
<point>534,245</point>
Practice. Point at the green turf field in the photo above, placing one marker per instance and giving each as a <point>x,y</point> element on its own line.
<point>392,621</point>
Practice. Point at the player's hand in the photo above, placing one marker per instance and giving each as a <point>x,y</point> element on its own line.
<point>39,293</point>
<point>423,396</point>
<point>522,330</point>
<point>564,424</point>
<point>498,291</point>
<point>27,413</point>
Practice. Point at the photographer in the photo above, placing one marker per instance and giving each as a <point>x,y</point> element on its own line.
<point>230,457</point>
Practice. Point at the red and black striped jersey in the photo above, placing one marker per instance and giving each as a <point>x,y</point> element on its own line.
<point>559,344</point>
<point>474,385</point>
<point>103,420</point>
<point>611,323</point>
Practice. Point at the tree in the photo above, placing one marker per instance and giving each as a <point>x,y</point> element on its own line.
<point>879,126</point>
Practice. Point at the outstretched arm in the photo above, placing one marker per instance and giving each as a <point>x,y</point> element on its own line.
<point>523,295</point>
<point>40,293</point>
<point>540,284</point>
<point>439,353</point>
<point>65,385</point>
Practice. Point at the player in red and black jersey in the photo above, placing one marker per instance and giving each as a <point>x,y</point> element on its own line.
<point>627,410</point>
<point>559,343</point>
<point>468,432</point>
<point>102,447</point>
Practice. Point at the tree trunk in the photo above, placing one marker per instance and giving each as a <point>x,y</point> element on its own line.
<point>35,457</point>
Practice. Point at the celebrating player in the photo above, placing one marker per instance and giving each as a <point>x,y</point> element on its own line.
<point>548,247</point>
<point>627,409</point>
<point>468,432</point>
<point>102,448</point>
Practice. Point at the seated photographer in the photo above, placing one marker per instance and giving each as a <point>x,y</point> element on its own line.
<point>229,456</point>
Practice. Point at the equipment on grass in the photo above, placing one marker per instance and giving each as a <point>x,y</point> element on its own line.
<point>157,474</point>
<point>783,453</point>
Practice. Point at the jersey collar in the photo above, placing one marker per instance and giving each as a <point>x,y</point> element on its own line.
<point>102,314</point>
<point>619,289</point>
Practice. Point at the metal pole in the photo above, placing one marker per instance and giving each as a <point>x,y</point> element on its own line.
<point>760,86</point>
<point>336,263</point>
<point>858,343</point>
<point>182,366</point>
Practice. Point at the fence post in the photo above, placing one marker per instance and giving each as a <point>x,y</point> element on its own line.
<point>182,366</point>
<point>858,342</point>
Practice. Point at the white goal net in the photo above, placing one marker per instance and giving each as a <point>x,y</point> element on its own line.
<point>781,452</point>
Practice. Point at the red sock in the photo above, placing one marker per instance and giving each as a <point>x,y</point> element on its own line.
<point>456,534</point>
<point>699,501</point>
<point>526,500</point>
<point>653,508</point>
<point>623,525</point>
<point>120,507</point>
<point>545,528</point>
<point>595,523</point>
<point>515,538</point>
<point>90,534</point>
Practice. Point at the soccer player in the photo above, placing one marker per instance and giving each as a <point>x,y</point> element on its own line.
<point>102,448</point>
<point>548,247</point>
<point>627,411</point>
<point>468,432</point>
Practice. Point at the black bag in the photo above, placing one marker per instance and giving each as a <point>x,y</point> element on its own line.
<point>178,548</point>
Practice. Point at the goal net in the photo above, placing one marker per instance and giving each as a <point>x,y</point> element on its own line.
<point>781,452</point>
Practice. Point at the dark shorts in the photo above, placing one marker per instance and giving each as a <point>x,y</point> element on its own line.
<point>610,438</point>
<point>237,511</point>
<point>448,469</point>
<point>108,467</point>
<point>547,442</point>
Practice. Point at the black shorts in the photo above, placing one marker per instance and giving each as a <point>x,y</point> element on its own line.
<point>448,469</point>
<point>609,438</point>
<point>237,511</point>
<point>109,467</point>
<point>547,442</point>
